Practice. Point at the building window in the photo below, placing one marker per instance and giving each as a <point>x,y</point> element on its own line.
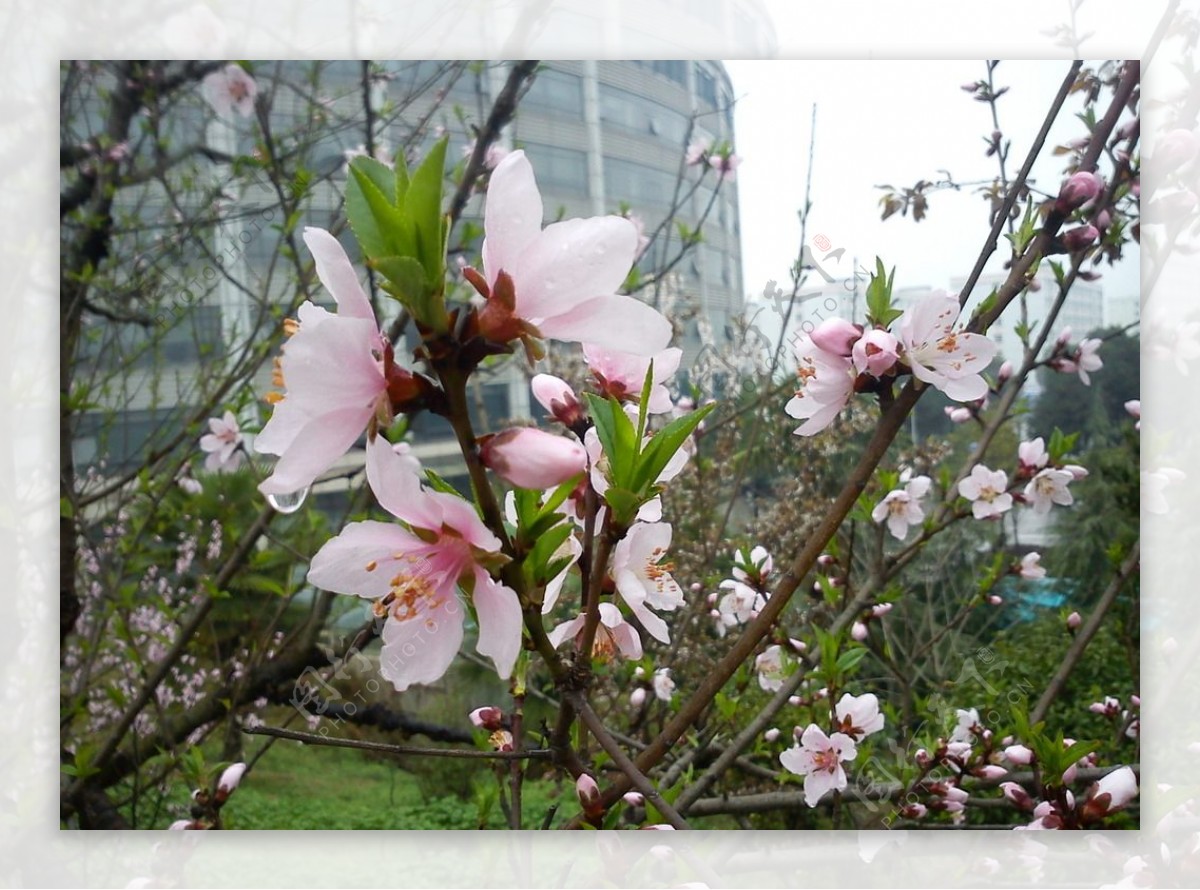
<point>559,169</point>
<point>557,92</point>
<point>672,69</point>
<point>620,108</point>
<point>706,86</point>
<point>638,184</point>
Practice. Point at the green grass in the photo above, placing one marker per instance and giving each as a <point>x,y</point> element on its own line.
<point>295,786</point>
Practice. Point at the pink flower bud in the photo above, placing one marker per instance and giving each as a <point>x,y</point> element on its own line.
<point>229,780</point>
<point>953,792</point>
<point>794,700</point>
<point>1005,372</point>
<point>637,698</point>
<point>914,811</point>
<point>859,631</point>
<point>1064,336</point>
<point>1078,191</point>
<point>953,806</point>
<point>876,352</point>
<point>1080,237</point>
<point>825,560</point>
<point>958,414</point>
<point>633,798</point>
<point>589,795</point>
<point>995,600</point>
<point>1017,795</point>
<point>532,458</point>
<point>1103,220</point>
<point>1135,700</point>
<point>696,587</point>
<point>880,610</point>
<point>1070,773</point>
<point>771,734</point>
<point>1074,620</point>
<point>921,757</point>
<point>711,599</point>
<point>991,771</point>
<point>1077,471</point>
<point>489,718</point>
<point>180,825</point>
<point>557,397</point>
<point>836,336</point>
<point>1019,754</point>
<point>1111,793</point>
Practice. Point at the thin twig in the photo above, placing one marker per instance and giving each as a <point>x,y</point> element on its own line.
<point>312,738</point>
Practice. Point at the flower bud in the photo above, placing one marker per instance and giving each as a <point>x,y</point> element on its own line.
<point>1113,792</point>
<point>1077,471</point>
<point>229,780</point>
<point>589,796</point>
<point>1078,191</point>
<point>557,397</point>
<point>1019,754</point>
<point>995,600</point>
<point>836,336</point>
<point>922,758</point>
<point>991,771</point>
<point>1017,795</point>
<point>1070,773</point>
<point>859,631</point>
<point>913,811</point>
<point>771,734</point>
<point>794,701</point>
<point>958,414</point>
<point>633,798</point>
<point>1080,237</point>
<point>880,610</point>
<point>532,458</point>
<point>825,560</point>
<point>953,792</point>
<point>1005,372</point>
<point>637,698</point>
<point>489,718</point>
<point>1074,620</point>
<point>696,587</point>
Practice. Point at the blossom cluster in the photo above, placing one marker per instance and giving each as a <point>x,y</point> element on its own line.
<point>840,358</point>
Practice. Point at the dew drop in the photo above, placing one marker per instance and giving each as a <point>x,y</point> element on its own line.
<point>289,502</point>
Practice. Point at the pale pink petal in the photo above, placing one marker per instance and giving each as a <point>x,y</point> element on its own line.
<point>320,443</point>
<point>460,515</point>
<point>397,487</point>
<point>421,649</point>
<point>820,782</point>
<point>512,215</point>
<point>500,622</point>
<point>341,565</point>
<point>615,322</point>
<point>572,262</point>
<point>566,630</point>
<point>964,389</point>
<point>336,273</point>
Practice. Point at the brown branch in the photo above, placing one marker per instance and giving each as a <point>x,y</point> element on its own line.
<point>1086,633</point>
<point>502,112</point>
<point>627,766</point>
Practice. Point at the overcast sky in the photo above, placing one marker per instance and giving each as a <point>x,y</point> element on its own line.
<point>887,122</point>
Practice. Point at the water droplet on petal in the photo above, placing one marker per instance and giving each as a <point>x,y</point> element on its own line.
<point>289,502</point>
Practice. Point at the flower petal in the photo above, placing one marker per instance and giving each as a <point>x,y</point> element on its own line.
<point>571,262</point>
<point>614,322</point>
<point>341,565</point>
<point>317,445</point>
<point>336,273</point>
<point>397,487</point>
<point>500,622</point>
<point>421,649</point>
<point>512,215</point>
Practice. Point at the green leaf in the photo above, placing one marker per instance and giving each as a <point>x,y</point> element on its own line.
<point>644,401</point>
<point>440,484</point>
<point>423,207</point>
<point>406,281</point>
<point>380,228</point>
<point>849,659</point>
<point>663,445</point>
<point>616,434</point>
